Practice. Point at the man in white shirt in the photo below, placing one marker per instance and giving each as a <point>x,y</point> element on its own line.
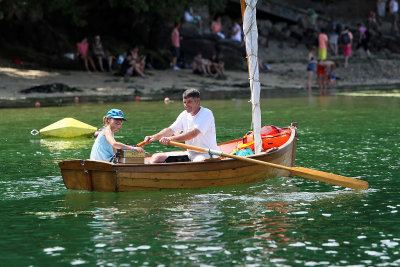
<point>195,125</point>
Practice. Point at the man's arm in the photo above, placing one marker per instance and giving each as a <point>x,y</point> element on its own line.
<point>163,133</point>
<point>181,137</point>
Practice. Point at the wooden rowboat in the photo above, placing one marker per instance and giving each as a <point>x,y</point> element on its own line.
<point>116,177</point>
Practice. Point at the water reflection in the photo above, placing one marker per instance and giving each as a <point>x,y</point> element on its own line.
<point>60,145</point>
<point>276,223</point>
<point>57,147</point>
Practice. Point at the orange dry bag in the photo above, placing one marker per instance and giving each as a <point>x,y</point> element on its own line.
<point>271,136</point>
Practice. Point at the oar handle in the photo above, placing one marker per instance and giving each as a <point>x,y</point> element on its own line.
<point>185,146</point>
<point>141,144</point>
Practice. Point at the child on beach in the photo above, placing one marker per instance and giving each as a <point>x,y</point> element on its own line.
<point>105,146</point>
<point>325,75</point>
<point>311,67</point>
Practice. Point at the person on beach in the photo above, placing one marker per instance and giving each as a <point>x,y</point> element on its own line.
<point>139,59</point>
<point>333,38</point>
<point>201,65</point>
<point>105,146</point>
<point>176,45</point>
<point>82,52</point>
<point>216,26</point>
<point>129,67</point>
<point>99,54</point>
<point>217,66</point>
<point>394,12</point>
<point>311,67</point>
<point>372,22</point>
<point>381,9</point>
<point>195,125</point>
<point>364,39</point>
<point>236,32</point>
<point>325,74</point>
<point>322,45</point>
<point>346,40</point>
<point>313,17</point>
<point>192,17</point>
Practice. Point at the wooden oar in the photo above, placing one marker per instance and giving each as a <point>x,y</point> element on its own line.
<point>299,171</point>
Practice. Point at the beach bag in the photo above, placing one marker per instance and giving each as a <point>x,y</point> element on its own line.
<point>345,38</point>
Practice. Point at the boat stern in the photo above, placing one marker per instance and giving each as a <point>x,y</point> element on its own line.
<point>89,175</point>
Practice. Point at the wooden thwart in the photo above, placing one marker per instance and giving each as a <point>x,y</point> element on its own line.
<point>299,171</point>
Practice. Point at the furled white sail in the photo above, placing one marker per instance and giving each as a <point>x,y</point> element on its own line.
<point>251,40</point>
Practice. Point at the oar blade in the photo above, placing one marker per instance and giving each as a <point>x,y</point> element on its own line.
<point>330,178</point>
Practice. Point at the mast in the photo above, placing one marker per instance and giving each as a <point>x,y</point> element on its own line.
<point>251,40</point>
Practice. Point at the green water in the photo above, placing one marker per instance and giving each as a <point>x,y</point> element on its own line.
<point>279,222</point>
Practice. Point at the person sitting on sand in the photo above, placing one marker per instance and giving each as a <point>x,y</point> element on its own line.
<point>126,66</point>
<point>140,60</point>
<point>201,65</point>
<point>217,66</point>
<point>82,52</point>
<point>129,66</point>
<point>105,146</point>
<point>195,125</point>
<point>99,54</point>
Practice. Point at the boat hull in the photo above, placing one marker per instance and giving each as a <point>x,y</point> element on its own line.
<point>109,177</point>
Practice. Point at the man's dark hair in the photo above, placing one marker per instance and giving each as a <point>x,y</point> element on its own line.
<point>191,92</point>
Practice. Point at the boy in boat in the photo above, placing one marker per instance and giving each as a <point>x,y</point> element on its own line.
<point>195,125</point>
<point>105,146</point>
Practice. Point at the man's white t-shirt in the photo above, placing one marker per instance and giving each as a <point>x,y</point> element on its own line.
<point>202,121</point>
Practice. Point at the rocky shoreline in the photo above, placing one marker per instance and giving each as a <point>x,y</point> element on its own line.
<point>284,79</point>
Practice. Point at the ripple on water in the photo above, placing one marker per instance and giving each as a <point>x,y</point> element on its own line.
<point>31,187</point>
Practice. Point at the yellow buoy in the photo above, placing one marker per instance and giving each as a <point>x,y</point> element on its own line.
<point>67,128</point>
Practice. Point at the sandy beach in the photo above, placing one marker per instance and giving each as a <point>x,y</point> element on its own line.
<point>362,73</point>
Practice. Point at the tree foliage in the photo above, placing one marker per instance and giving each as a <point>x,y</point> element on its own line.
<point>78,12</point>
